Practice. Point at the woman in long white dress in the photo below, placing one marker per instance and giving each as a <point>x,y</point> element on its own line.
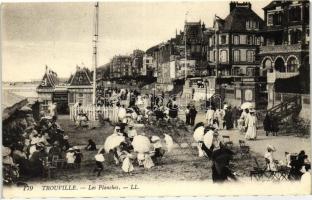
<point>251,121</point>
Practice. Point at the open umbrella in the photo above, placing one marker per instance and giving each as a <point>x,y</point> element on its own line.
<point>246,105</point>
<point>26,109</point>
<point>141,144</point>
<point>99,157</point>
<point>199,134</point>
<point>112,142</point>
<point>208,138</point>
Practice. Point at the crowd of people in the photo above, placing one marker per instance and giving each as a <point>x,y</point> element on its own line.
<point>126,147</point>
<point>298,164</point>
<point>229,117</point>
<point>34,145</point>
<point>30,146</point>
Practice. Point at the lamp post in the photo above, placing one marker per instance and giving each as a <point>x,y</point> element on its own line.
<point>206,86</point>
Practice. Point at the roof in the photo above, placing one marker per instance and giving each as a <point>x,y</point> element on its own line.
<point>236,20</point>
<point>275,3</point>
<point>10,103</point>
<point>82,76</point>
<point>49,79</point>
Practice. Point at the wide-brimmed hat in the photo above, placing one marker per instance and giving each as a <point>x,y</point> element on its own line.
<point>271,147</point>
<point>65,137</point>
<point>155,138</point>
<point>71,149</point>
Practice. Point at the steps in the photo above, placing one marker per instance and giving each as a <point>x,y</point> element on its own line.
<point>287,108</point>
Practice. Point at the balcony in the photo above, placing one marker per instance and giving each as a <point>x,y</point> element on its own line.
<point>285,48</point>
<point>271,77</point>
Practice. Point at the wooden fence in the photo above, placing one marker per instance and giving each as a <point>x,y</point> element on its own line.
<point>93,112</point>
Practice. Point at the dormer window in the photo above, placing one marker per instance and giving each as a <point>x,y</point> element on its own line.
<point>251,24</point>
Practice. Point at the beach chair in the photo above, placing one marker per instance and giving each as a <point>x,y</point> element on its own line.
<point>244,150</point>
<point>227,141</point>
<point>48,169</point>
<point>269,173</point>
<point>257,172</point>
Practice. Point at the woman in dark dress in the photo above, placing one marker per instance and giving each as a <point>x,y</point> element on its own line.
<point>220,167</point>
<point>267,124</point>
<point>228,119</point>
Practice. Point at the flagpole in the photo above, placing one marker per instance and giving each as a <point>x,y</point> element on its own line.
<point>95,41</point>
<point>185,49</point>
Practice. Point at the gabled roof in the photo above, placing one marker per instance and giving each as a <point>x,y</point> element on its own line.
<point>82,76</point>
<point>276,3</point>
<point>49,79</point>
<point>236,20</point>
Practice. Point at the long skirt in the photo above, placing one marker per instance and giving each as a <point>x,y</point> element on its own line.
<point>251,132</point>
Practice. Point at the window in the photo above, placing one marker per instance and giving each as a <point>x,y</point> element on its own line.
<point>243,39</point>
<point>211,56</point>
<point>250,56</point>
<point>258,40</point>
<point>214,55</point>
<point>223,39</point>
<point>277,19</point>
<point>223,56</point>
<point>292,65</point>
<point>71,98</point>
<point>249,40</point>
<point>236,39</point>
<point>248,95</point>
<point>238,94</point>
<point>295,13</point>
<point>236,55</point>
<point>45,105</point>
<point>270,19</point>
<point>250,24</point>
<point>250,71</point>
<point>236,71</point>
<point>243,55</point>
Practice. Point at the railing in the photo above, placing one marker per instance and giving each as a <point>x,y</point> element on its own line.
<point>93,112</point>
<point>271,77</point>
<point>280,48</point>
<point>286,108</point>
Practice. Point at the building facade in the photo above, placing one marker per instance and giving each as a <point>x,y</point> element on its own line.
<point>233,47</point>
<point>80,87</point>
<point>285,49</point>
<point>46,88</point>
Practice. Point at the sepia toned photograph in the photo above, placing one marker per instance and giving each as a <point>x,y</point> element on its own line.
<point>155,98</point>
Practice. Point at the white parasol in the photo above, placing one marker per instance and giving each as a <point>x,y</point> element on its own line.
<point>208,138</point>
<point>246,105</point>
<point>141,144</point>
<point>169,142</point>
<point>99,157</point>
<point>199,134</point>
<point>26,109</point>
<point>112,142</point>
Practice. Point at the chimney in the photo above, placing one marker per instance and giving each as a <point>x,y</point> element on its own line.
<point>232,5</point>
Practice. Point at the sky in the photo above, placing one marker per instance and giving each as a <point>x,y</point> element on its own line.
<point>59,35</point>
